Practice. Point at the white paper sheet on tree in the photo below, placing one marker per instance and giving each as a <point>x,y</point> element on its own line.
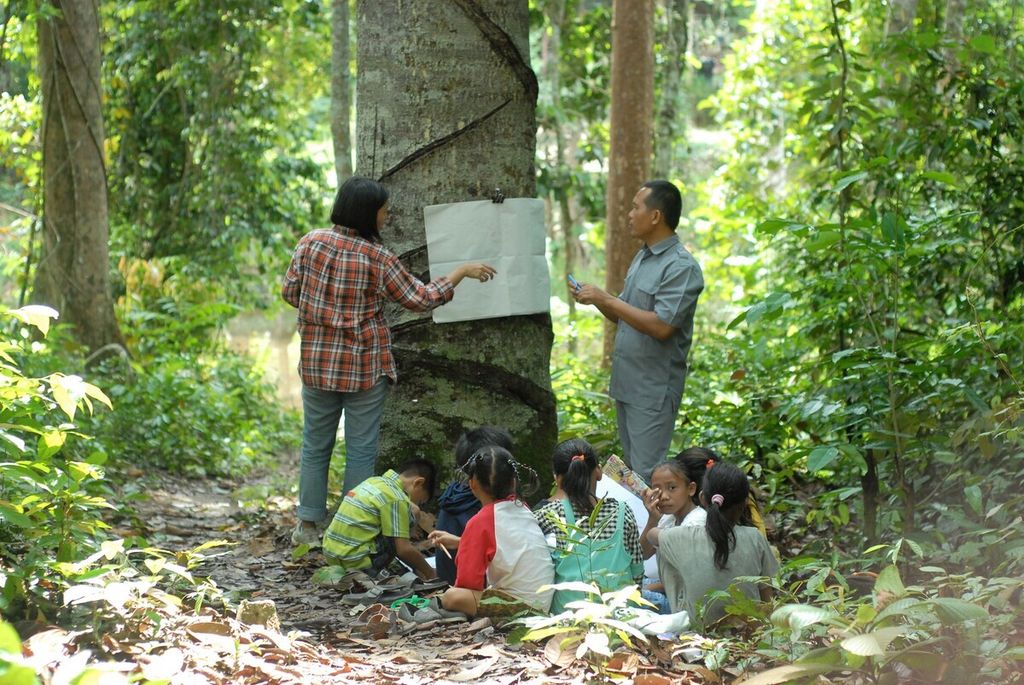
<point>510,237</point>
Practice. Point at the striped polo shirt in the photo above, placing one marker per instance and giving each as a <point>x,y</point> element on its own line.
<point>378,506</point>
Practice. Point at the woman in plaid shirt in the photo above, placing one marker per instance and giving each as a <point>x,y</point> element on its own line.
<point>339,280</point>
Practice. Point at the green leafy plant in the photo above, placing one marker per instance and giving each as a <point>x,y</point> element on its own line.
<point>899,632</point>
<point>589,629</point>
<point>193,412</point>
<point>121,588</point>
<point>50,502</point>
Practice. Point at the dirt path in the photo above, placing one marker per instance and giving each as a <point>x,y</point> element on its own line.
<point>316,642</point>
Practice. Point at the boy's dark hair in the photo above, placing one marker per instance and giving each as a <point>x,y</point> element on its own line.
<point>356,206</point>
<point>477,438</point>
<point>421,468</point>
<point>575,472</point>
<point>498,473</point>
<point>665,197</point>
<point>729,483</point>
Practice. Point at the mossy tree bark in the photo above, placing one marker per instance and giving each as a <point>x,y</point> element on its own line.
<point>73,272</point>
<point>446,113</point>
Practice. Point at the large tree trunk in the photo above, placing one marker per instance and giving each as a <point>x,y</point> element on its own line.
<point>629,158</point>
<point>73,271</point>
<point>446,114</point>
<point>341,108</point>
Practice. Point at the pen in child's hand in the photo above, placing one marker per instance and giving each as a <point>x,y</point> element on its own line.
<point>573,282</point>
<point>445,550</point>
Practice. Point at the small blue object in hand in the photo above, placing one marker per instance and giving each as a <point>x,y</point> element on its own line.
<point>573,282</point>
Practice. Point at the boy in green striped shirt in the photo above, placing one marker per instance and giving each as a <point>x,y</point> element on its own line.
<point>372,524</point>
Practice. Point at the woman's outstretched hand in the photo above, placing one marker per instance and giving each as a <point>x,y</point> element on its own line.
<point>478,270</point>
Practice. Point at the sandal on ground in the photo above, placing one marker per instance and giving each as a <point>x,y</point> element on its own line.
<point>430,613</point>
<point>372,595</point>
<point>376,620</point>
<point>389,595</point>
<point>423,587</point>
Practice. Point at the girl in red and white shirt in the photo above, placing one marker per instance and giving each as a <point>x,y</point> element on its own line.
<point>502,547</point>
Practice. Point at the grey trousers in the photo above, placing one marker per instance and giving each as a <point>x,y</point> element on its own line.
<point>646,434</point>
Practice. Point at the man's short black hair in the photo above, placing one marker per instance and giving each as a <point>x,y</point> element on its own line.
<point>421,468</point>
<point>665,197</point>
<point>356,206</point>
<point>473,440</point>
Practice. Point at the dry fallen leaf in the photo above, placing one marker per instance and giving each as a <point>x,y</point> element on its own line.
<point>623,662</point>
<point>652,679</point>
<point>476,672</point>
<point>560,654</point>
<point>217,635</point>
<point>163,666</point>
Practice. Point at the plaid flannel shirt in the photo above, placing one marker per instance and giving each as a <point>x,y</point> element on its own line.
<point>339,282</point>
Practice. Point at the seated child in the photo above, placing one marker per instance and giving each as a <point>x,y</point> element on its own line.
<point>601,548</point>
<point>695,560</point>
<point>502,552</point>
<point>696,461</point>
<point>671,501</point>
<point>371,526</point>
<point>457,504</point>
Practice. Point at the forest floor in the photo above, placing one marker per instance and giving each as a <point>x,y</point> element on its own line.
<point>315,641</point>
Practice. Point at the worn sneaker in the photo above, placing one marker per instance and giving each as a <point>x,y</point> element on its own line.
<point>305,536</point>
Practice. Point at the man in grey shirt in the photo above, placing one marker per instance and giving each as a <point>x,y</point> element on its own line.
<point>655,327</point>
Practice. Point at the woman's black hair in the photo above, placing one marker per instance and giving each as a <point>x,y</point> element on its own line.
<point>476,438</point>
<point>356,206</point>
<point>498,473</point>
<point>729,483</point>
<point>575,460</point>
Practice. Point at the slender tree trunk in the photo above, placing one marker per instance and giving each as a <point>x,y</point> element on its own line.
<point>341,107</point>
<point>901,16</point>
<point>953,27</point>
<point>557,15</point>
<point>869,490</point>
<point>73,270</point>
<point>629,159</point>
<point>446,114</point>
<point>671,122</point>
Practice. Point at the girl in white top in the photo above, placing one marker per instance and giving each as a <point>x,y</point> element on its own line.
<point>670,501</point>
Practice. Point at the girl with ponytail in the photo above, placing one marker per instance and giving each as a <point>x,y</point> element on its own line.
<point>593,541</point>
<point>694,561</point>
<point>502,552</point>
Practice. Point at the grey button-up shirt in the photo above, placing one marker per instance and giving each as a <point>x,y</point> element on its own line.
<point>664,279</point>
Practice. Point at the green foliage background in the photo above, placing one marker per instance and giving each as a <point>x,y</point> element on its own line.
<point>851,190</point>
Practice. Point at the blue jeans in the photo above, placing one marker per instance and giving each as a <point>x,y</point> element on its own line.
<point>321,410</point>
<point>656,598</point>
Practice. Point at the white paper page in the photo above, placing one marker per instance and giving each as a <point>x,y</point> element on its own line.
<point>509,236</point>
